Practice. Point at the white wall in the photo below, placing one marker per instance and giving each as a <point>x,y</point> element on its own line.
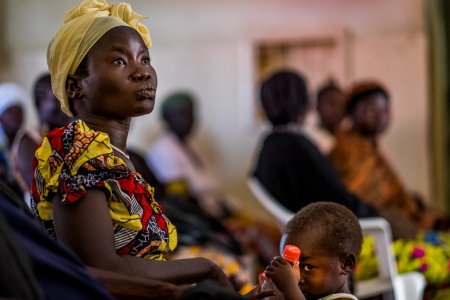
<point>205,46</point>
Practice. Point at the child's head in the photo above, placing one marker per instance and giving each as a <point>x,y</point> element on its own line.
<point>330,238</point>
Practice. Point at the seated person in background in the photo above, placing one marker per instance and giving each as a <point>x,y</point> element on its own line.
<point>25,144</point>
<point>12,101</point>
<point>366,171</point>
<point>85,190</point>
<point>177,164</point>
<point>289,165</point>
<point>330,107</point>
<point>330,112</point>
<point>5,173</point>
<point>330,239</point>
<point>191,185</point>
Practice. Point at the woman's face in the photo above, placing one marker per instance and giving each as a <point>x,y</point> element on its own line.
<point>49,108</point>
<point>12,119</point>
<point>331,109</point>
<point>121,82</point>
<point>181,120</point>
<point>371,117</point>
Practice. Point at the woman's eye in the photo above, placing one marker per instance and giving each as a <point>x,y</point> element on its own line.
<point>119,61</point>
<point>146,61</point>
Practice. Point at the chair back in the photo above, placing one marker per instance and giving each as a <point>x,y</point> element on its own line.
<point>380,230</point>
<point>279,212</point>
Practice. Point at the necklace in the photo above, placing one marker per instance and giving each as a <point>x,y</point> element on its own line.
<point>120,151</point>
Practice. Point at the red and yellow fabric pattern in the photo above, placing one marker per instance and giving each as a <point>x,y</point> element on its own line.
<point>74,159</point>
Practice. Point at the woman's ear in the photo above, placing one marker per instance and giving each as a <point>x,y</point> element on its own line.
<point>74,90</point>
<point>348,263</point>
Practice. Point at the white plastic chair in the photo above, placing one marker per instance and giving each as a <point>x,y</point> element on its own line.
<point>280,213</point>
<point>408,286</point>
<point>389,283</point>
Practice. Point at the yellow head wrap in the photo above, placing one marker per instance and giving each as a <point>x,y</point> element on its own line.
<point>83,26</point>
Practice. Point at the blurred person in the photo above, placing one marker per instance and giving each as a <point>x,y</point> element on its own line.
<point>190,184</point>
<point>289,165</point>
<point>26,142</point>
<point>5,173</point>
<point>331,107</point>
<point>12,103</point>
<point>330,110</point>
<point>177,164</point>
<point>367,172</point>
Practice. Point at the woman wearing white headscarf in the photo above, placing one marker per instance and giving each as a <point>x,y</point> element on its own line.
<point>12,98</point>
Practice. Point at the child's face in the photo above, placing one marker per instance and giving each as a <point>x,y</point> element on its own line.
<point>321,274</point>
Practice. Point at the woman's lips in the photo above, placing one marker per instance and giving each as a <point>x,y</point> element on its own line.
<point>147,93</point>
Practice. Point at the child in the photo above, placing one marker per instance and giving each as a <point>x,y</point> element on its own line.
<point>330,238</point>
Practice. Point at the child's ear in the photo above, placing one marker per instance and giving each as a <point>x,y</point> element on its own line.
<point>348,263</point>
<point>73,87</point>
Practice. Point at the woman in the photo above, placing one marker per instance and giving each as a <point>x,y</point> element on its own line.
<point>85,188</point>
<point>26,141</point>
<point>12,101</point>
<point>367,172</point>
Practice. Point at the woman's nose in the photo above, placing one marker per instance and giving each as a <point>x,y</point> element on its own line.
<point>141,76</point>
<point>142,73</point>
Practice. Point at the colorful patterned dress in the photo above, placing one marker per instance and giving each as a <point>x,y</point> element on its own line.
<point>75,158</point>
<point>366,172</point>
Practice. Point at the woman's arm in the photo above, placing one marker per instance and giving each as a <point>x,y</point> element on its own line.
<point>86,227</point>
<point>134,287</point>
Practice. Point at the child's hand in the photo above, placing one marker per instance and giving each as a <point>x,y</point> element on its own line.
<point>283,275</point>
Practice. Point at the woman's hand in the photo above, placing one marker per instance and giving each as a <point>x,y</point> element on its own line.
<point>215,272</point>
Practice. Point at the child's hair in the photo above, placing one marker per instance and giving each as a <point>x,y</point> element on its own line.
<point>342,232</point>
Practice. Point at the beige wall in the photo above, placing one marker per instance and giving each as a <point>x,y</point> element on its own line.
<point>206,46</point>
